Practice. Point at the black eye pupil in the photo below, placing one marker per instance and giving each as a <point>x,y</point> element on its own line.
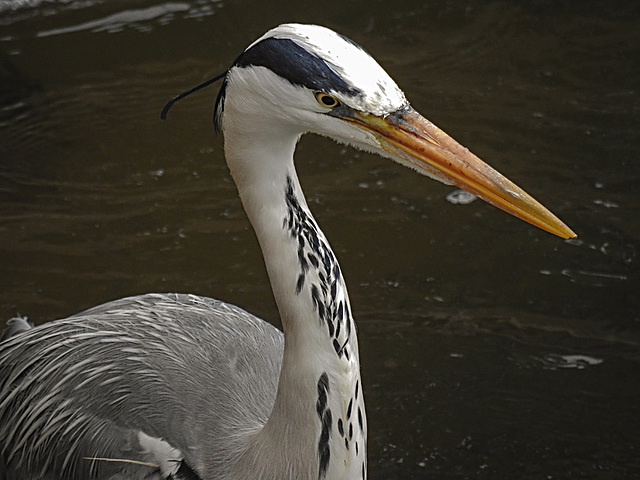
<point>328,101</point>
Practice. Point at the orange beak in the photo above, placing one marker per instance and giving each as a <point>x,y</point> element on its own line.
<point>415,141</point>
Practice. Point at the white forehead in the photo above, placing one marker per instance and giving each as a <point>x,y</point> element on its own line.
<point>378,93</point>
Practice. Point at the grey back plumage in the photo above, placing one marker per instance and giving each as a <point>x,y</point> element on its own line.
<point>195,372</point>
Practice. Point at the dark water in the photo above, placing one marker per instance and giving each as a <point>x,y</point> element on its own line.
<point>489,349</point>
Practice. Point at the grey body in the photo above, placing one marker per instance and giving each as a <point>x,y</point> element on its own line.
<point>191,370</point>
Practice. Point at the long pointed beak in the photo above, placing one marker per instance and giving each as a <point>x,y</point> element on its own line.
<point>415,141</point>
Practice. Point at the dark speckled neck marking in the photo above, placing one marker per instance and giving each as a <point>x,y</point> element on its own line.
<point>320,277</point>
<point>326,420</point>
<point>314,254</point>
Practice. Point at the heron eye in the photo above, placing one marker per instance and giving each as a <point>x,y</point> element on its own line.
<point>327,100</point>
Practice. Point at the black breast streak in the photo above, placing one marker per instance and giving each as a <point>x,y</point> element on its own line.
<point>315,255</point>
<point>326,422</point>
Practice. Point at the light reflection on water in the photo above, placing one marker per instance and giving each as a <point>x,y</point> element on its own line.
<point>489,349</point>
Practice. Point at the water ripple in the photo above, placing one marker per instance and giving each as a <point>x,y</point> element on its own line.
<point>141,19</point>
<point>117,21</point>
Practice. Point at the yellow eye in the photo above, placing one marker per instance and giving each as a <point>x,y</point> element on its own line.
<point>327,100</point>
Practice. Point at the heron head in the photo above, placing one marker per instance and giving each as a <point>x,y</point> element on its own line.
<point>306,78</point>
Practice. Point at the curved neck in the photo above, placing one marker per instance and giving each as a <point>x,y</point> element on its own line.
<point>317,428</point>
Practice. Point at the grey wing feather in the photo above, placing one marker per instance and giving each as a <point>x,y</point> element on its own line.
<point>15,326</point>
<point>197,374</point>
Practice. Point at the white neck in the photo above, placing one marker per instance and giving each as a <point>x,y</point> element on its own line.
<point>317,429</point>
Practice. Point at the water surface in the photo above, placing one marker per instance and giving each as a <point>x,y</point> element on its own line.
<point>489,349</point>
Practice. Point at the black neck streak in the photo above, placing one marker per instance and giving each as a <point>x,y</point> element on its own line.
<point>319,275</point>
<point>326,422</point>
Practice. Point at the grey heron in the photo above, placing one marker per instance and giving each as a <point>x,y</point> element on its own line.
<point>175,386</point>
